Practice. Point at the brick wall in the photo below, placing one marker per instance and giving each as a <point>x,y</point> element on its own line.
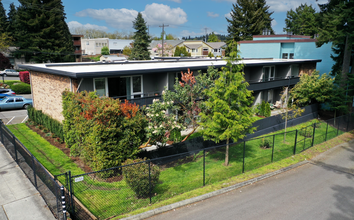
<point>47,92</point>
<point>307,68</point>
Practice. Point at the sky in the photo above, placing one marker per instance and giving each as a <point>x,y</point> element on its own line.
<point>183,17</point>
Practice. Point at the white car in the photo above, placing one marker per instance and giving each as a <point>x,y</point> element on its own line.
<point>9,72</point>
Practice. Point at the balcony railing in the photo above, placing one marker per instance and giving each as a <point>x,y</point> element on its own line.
<point>77,42</point>
<point>147,98</point>
<point>272,83</point>
<point>78,51</point>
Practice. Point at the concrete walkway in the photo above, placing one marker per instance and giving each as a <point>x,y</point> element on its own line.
<point>19,199</point>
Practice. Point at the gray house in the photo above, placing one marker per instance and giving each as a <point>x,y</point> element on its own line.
<point>143,81</point>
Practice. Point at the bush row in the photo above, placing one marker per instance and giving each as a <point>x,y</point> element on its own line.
<point>51,124</point>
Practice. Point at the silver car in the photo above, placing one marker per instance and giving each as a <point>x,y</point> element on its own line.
<point>9,72</point>
<point>14,102</point>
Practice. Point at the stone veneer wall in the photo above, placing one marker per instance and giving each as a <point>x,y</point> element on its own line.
<point>307,68</point>
<point>47,92</point>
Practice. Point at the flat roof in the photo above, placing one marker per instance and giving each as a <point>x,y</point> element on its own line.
<point>124,68</point>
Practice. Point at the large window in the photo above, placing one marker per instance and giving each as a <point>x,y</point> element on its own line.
<point>124,87</point>
<point>100,86</point>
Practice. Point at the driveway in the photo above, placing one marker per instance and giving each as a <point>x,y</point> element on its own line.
<point>15,116</point>
<point>320,189</point>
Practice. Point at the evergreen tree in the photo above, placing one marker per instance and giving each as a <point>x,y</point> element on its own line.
<point>181,51</point>
<point>11,19</point>
<point>302,21</point>
<point>141,40</point>
<point>105,50</point>
<point>229,112</point>
<point>3,18</point>
<point>43,34</point>
<point>248,18</point>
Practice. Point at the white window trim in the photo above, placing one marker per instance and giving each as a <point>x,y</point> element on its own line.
<point>131,86</point>
<point>270,70</point>
<point>105,84</point>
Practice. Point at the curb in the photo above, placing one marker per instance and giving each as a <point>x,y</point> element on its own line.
<point>211,194</point>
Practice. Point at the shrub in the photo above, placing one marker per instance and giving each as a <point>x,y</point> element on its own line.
<point>306,131</point>
<point>52,125</point>
<point>137,176</point>
<point>24,77</point>
<point>175,135</point>
<point>267,111</point>
<point>21,88</point>
<point>265,143</point>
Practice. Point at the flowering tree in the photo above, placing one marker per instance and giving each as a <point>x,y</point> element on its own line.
<point>160,122</point>
<point>167,49</point>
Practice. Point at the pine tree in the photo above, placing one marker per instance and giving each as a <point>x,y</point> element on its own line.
<point>302,21</point>
<point>248,18</point>
<point>11,18</point>
<point>229,112</point>
<point>141,40</point>
<point>213,38</point>
<point>43,34</point>
<point>3,18</point>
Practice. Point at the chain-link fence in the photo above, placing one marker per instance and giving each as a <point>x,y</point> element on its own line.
<point>36,173</point>
<point>116,191</point>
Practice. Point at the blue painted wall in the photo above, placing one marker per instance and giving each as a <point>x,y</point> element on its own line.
<point>301,50</point>
<point>260,50</point>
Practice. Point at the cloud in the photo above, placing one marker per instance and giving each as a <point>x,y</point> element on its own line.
<point>178,1</point>
<point>228,15</point>
<point>212,14</point>
<point>154,14</point>
<point>283,6</point>
<point>274,23</point>
<point>74,24</point>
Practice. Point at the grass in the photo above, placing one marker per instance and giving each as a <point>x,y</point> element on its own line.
<point>182,180</point>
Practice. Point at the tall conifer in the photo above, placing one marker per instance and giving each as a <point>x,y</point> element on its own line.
<point>43,34</point>
<point>141,40</point>
<point>3,18</point>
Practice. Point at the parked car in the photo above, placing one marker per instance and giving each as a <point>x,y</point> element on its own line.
<point>9,72</point>
<point>15,102</point>
<point>6,92</point>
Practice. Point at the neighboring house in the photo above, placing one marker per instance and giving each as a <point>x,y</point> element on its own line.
<point>143,81</point>
<point>93,46</point>
<point>111,58</point>
<point>13,60</point>
<point>77,45</point>
<point>288,47</point>
<point>197,48</point>
<point>218,48</point>
<point>155,47</point>
<point>116,46</point>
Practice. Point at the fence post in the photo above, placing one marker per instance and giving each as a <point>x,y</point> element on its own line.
<point>71,195</point>
<point>313,134</point>
<point>326,132</point>
<point>273,148</point>
<point>295,142</point>
<point>150,180</point>
<point>204,167</point>
<point>244,155</point>
<point>34,172</point>
<point>63,201</point>
<point>14,143</point>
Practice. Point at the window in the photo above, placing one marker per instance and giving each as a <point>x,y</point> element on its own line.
<point>193,50</point>
<point>196,50</point>
<point>136,85</point>
<point>10,100</point>
<point>268,73</point>
<point>96,44</point>
<point>291,56</point>
<point>19,100</point>
<point>285,56</point>
<point>87,43</point>
<point>100,86</point>
<point>215,50</point>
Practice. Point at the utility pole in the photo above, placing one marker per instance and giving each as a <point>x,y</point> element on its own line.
<point>206,34</point>
<point>163,34</point>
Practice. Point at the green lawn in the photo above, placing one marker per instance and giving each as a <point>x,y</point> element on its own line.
<point>105,199</point>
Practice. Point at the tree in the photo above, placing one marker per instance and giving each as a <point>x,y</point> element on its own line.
<point>4,62</point>
<point>312,89</point>
<point>213,38</point>
<point>5,41</point>
<point>167,50</point>
<point>228,115</point>
<point>3,18</point>
<point>181,52</point>
<point>248,18</point>
<point>43,34</point>
<point>127,50</point>
<point>105,50</point>
<point>302,21</point>
<point>11,19</point>
<point>141,40</point>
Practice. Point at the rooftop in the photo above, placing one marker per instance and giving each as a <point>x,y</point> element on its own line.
<point>123,68</point>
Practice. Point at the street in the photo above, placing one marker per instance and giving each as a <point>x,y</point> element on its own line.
<point>321,189</point>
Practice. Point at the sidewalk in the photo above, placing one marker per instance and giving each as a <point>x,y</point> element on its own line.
<point>19,199</point>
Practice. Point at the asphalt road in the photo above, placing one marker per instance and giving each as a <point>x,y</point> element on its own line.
<point>321,189</point>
